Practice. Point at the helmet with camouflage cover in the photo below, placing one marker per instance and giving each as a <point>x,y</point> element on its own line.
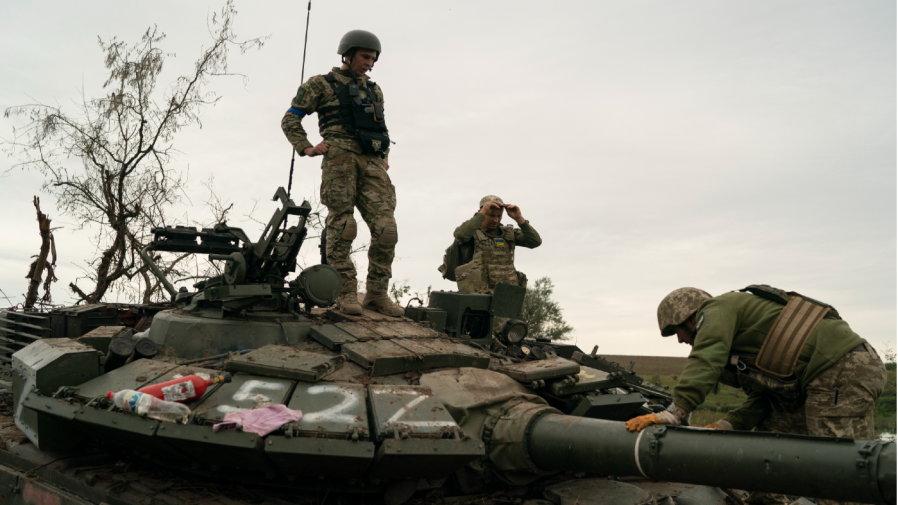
<point>676,308</point>
<point>490,198</point>
<point>359,39</point>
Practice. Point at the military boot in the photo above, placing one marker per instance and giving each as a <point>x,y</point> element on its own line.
<point>348,303</point>
<point>382,303</point>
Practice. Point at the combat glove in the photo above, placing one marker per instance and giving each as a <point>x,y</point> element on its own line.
<point>720,424</point>
<point>673,415</point>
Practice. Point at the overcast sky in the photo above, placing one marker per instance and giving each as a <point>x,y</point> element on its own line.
<point>653,145</point>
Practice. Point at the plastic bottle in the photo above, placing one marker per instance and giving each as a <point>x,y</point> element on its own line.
<point>154,408</point>
<point>183,389</point>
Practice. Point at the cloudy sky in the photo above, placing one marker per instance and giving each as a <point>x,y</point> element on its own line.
<point>653,145</point>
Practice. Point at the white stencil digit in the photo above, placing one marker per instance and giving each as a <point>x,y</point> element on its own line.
<point>404,408</point>
<point>351,399</point>
<point>247,393</point>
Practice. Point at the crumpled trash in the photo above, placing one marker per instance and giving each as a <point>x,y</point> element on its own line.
<point>259,421</point>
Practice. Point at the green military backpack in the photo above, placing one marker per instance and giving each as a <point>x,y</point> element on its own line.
<point>456,255</point>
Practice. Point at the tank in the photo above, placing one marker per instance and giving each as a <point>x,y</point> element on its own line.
<point>433,407</point>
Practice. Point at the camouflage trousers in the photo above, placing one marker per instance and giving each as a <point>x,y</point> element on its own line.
<point>348,181</point>
<point>839,404</point>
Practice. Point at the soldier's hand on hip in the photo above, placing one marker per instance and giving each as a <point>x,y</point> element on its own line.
<point>488,206</point>
<point>514,212</point>
<point>316,151</point>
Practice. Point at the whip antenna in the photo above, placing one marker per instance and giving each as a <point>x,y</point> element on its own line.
<point>302,79</point>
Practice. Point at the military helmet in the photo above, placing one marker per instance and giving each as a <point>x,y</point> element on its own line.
<point>676,308</point>
<point>359,39</point>
<point>490,198</point>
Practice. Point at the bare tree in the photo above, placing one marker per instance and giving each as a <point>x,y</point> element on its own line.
<point>36,271</point>
<point>123,142</point>
<point>11,305</point>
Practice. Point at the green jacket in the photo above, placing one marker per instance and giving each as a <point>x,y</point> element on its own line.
<point>526,236</point>
<point>739,322</point>
<point>317,93</point>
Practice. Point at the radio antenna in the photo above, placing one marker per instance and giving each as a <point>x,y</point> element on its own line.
<point>302,79</point>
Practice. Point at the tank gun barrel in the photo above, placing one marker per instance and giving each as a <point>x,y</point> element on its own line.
<point>818,467</point>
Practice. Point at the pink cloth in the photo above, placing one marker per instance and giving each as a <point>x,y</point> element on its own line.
<point>260,421</point>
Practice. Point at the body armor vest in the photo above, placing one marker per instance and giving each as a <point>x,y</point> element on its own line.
<point>493,263</point>
<point>771,370</point>
<point>359,112</point>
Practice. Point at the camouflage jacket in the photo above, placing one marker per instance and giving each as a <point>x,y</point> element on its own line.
<point>317,93</point>
<point>493,260</point>
<point>524,237</point>
<point>738,323</point>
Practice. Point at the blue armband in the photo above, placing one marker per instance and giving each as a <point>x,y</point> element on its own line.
<point>296,111</point>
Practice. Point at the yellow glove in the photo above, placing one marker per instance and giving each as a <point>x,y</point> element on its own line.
<point>642,422</point>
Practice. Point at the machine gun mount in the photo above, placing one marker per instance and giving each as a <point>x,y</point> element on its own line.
<point>254,273</point>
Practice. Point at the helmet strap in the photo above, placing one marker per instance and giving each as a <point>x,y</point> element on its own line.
<point>351,56</point>
<point>689,332</point>
<point>352,53</point>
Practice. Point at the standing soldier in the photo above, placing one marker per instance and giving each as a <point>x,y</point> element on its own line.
<point>804,369</point>
<point>354,170</point>
<point>485,254</point>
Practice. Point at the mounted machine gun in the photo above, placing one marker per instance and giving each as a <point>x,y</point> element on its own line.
<point>254,273</point>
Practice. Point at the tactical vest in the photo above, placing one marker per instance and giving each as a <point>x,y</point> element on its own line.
<point>784,342</point>
<point>492,263</point>
<point>359,112</point>
<point>771,371</point>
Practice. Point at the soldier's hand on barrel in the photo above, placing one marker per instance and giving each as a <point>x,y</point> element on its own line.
<point>490,206</point>
<point>642,422</point>
<point>720,424</point>
<point>316,151</point>
<point>514,212</point>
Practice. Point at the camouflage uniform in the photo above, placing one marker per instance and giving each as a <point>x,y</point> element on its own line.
<point>837,378</point>
<point>839,403</point>
<point>493,260</point>
<point>350,178</point>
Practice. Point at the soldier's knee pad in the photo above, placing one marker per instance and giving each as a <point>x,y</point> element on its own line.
<point>350,229</point>
<point>388,233</point>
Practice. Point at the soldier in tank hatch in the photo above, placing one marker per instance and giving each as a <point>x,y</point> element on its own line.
<point>355,147</point>
<point>804,370</point>
<point>482,254</point>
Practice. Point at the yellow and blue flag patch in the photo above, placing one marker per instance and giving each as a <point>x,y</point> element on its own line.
<point>500,242</point>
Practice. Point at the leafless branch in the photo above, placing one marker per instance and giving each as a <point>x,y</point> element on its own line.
<point>107,163</point>
<point>7,298</point>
